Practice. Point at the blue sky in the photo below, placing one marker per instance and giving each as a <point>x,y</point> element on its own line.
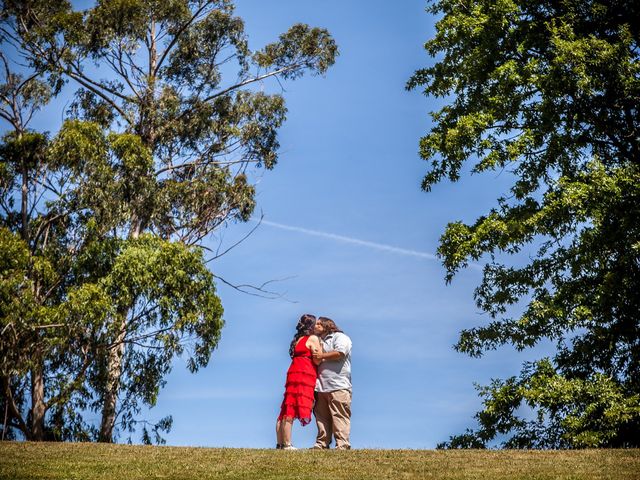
<point>348,227</point>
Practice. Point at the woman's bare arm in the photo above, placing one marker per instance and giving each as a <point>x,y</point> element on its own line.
<point>313,344</point>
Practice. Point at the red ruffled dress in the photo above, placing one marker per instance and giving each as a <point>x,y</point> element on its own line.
<point>300,385</point>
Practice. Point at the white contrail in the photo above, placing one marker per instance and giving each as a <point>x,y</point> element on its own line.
<point>355,241</point>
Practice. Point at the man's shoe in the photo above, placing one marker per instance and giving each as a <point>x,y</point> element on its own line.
<point>289,447</point>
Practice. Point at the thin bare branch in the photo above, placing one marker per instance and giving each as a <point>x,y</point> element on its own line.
<point>101,94</point>
<point>251,80</point>
<point>120,69</point>
<point>77,73</point>
<point>259,291</point>
<point>177,36</point>
<point>9,119</point>
<point>42,327</point>
<point>218,255</point>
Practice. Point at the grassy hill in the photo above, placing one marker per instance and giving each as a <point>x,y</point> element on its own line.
<point>114,462</point>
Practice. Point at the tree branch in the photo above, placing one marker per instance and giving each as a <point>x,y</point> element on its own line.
<point>218,254</point>
<point>258,291</point>
<point>13,408</point>
<point>120,69</point>
<point>177,36</point>
<point>235,87</point>
<point>251,80</point>
<point>88,86</point>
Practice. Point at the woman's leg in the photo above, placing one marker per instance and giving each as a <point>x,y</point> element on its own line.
<point>286,425</point>
<point>279,433</point>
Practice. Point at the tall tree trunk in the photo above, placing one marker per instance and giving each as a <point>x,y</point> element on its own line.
<point>24,205</point>
<point>146,130</point>
<point>38,408</point>
<point>114,370</point>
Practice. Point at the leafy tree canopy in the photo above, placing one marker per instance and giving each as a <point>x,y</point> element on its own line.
<point>155,154</point>
<point>548,91</point>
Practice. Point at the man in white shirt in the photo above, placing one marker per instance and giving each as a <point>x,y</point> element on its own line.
<point>333,387</point>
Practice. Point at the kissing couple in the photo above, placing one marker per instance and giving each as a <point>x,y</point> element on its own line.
<point>318,380</point>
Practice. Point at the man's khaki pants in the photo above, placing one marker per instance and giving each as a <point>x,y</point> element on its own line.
<point>333,417</point>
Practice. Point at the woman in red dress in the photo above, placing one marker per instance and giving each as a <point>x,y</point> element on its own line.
<point>301,381</point>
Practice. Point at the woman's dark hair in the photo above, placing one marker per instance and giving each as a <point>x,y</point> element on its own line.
<point>329,325</point>
<point>305,327</point>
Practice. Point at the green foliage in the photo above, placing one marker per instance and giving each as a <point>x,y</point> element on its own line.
<point>173,291</point>
<point>548,93</point>
<point>164,85</point>
<point>28,149</point>
<point>170,298</point>
<point>157,153</point>
<point>16,301</point>
<point>312,48</point>
<point>163,286</point>
<point>569,413</point>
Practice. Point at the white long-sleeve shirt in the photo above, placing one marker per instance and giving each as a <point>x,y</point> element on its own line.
<point>335,374</point>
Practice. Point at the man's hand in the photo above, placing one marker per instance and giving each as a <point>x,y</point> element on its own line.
<point>321,356</point>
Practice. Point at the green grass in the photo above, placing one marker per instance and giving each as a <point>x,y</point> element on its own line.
<point>98,461</point>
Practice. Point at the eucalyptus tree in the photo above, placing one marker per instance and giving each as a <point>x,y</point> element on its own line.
<point>47,321</point>
<point>23,283</point>
<point>168,122</point>
<point>549,92</point>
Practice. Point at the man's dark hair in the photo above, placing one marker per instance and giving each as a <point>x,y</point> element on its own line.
<point>329,325</point>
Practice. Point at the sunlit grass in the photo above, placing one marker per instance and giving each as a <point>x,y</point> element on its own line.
<point>100,461</point>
